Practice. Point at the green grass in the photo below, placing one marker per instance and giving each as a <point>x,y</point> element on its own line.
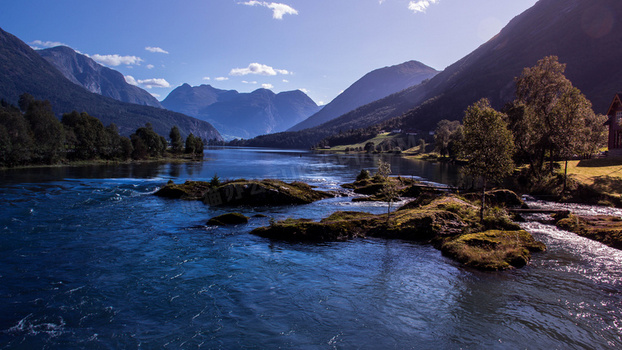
<point>376,140</point>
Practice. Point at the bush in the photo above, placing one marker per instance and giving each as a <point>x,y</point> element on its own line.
<point>363,175</point>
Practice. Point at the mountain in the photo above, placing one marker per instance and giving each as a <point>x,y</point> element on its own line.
<point>25,71</point>
<point>583,34</point>
<point>190,100</point>
<point>83,71</point>
<point>242,115</point>
<point>371,87</point>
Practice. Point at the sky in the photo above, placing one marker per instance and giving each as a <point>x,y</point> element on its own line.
<point>318,46</point>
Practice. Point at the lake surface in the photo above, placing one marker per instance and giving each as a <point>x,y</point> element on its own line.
<point>89,258</point>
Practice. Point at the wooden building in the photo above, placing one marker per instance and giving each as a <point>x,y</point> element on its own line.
<point>614,122</point>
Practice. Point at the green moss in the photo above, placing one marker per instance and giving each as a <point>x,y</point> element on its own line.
<point>449,222</point>
<point>601,228</point>
<point>228,219</point>
<point>493,250</point>
<point>189,190</point>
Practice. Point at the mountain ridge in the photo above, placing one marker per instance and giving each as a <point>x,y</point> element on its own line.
<point>84,71</point>
<point>242,115</point>
<point>373,86</point>
<point>25,71</point>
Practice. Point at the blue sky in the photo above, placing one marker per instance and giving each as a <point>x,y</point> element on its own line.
<point>318,46</point>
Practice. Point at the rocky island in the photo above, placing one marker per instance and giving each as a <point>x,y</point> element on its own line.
<point>241,192</point>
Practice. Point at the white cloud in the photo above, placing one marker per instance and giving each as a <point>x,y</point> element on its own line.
<point>155,49</point>
<point>278,9</point>
<point>257,68</point>
<point>154,82</point>
<point>267,86</point>
<point>321,103</point>
<point>155,95</point>
<point>130,80</point>
<point>116,60</point>
<point>150,66</point>
<point>421,5</point>
<point>249,82</point>
<point>304,90</point>
<point>221,78</point>
<point>207,78</point>
<point>38,44</point>
<point>285,81</point>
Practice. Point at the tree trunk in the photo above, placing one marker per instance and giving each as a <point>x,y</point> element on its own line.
<point>565,176</point>
<point>481,211</point>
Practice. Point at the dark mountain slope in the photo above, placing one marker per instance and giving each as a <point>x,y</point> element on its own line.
<point>24,70</point>
<point>371,87</point>
<point>96,78</point>
<point>586,35</point>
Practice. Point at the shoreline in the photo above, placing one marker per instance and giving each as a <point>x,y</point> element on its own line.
<point>80,163</point>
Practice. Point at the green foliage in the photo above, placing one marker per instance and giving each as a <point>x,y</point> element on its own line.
<point>194,145</point>
<point>447,136</point>
<point>363,175</point>
<point>46,130</point>
<point>488,145</point>
<point>147,143</point>
<point>16,142</point>
<point>215,181</point>
<point>177,142</point>
<point>37,137</point>
<point>552,118</point>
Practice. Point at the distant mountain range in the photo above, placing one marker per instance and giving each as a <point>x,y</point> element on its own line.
<point>25,71</point>
<point>583,34</point>
<point>84,71</point>
<point>242,115</point>
<point>371,87</point>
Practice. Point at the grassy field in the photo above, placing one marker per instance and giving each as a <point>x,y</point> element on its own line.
<point>376,140</point>
<point>589,170</point>
<point>604,174</point>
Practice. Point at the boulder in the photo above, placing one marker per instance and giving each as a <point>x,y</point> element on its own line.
<point>228,219</point>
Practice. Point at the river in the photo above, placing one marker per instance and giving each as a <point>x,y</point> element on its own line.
<point>89,258</point>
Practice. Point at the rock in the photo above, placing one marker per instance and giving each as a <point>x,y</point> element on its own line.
<point>502,198</point>
<point>448,222</point>
<point>244,192</point>
<point>493,250</point>
<point>262,193</point>
<point>228,219</point>
<point>189,190</point>
<point>602,228</point>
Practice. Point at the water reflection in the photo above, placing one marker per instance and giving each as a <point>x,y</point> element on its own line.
<point>251,163</point>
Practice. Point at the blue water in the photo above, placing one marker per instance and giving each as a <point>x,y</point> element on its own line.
<point>89,258</point>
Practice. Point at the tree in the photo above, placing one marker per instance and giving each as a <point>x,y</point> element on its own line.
<point>86,135</point>
<point>46,129</point>
<point>389,188</point>
<point>447,133</point>
<point>147,143</point>
<point>488,145</point>
<point>550,116</point>
<point>17,150</point>
<point>194,145</point>
<point>177,142</point>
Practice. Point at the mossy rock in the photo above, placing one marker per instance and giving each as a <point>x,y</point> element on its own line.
<point>501,198</point>
<point>263,193</point>
<point>602,228</point>
<point>189,190</point>
<point>493,250</point>
<point>448,222</point>
<point>228,219</point>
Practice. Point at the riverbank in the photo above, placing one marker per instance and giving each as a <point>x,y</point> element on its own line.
<point>79,163</point>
